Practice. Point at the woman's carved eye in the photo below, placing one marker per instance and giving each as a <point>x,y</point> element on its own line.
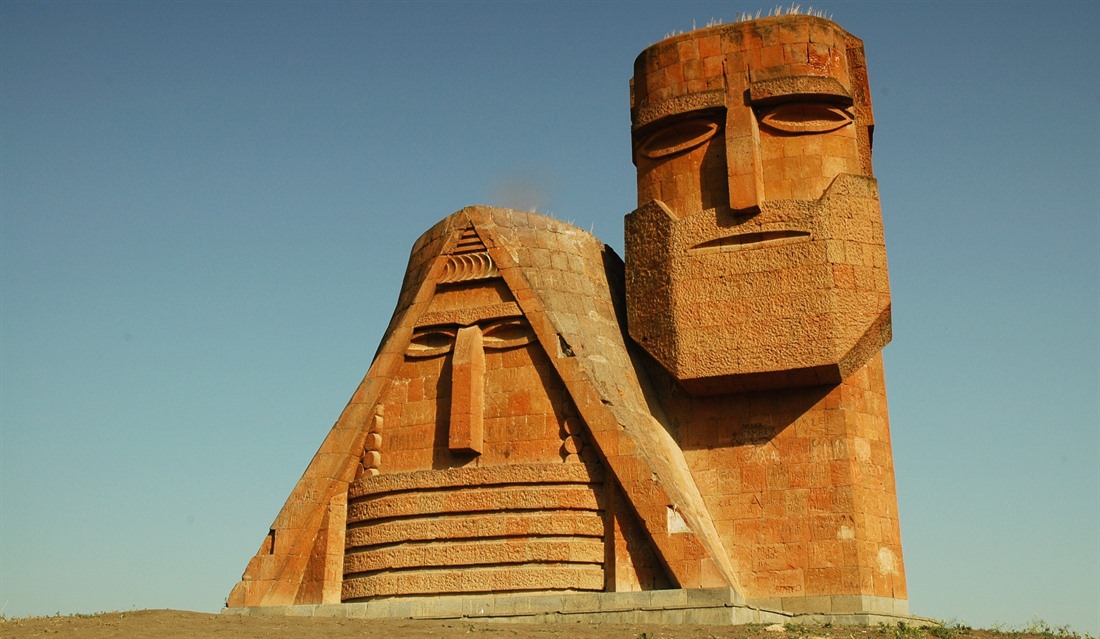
<point>806,117</point>
<point>431,342</point>
<point>506,334</point>
<point>678,138</point>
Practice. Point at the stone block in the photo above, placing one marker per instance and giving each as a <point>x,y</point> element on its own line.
<point>712,597</point>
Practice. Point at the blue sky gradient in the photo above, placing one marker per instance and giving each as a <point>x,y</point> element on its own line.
<point>206,209</point>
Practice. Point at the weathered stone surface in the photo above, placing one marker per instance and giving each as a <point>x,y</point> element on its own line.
<point>710,416</point>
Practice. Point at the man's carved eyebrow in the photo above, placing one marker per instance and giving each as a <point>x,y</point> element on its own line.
<point>470,316</point>
<point>799,87</point>
<point>679,105</point>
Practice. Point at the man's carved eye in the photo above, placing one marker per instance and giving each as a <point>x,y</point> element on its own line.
<point>678,138</point>
<point>431,342</point>
<point>506,334</point>
<point>806,117</point>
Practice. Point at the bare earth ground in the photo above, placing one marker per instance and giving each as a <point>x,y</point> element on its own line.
<point>174,623</point>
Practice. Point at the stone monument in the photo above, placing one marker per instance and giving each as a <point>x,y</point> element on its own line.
<point>543,420</point>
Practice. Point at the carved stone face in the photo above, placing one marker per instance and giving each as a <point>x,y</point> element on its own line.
<point>471,324</point>
<point>756,256</point>
<point>475,387</point>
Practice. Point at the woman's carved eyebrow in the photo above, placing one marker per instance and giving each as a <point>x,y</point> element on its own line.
<point>469,316</point>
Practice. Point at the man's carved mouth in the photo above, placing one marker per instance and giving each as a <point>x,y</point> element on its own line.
<point>750,240</point>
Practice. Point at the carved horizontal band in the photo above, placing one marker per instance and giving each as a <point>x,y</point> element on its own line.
<point>475,552</point>
<point>551,523</point>
<point>477,500</point>
<point>529,578</point>
<point>554,473</point>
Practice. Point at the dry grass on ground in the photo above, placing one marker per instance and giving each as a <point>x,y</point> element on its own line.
<point>173,623</point>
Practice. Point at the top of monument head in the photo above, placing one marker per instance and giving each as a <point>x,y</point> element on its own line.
<point>459,239</point>
<point>780,57</point>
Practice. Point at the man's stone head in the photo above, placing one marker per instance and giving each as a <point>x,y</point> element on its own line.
<point>756,256</point>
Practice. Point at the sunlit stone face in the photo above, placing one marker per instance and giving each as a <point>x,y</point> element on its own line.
<point>472,388</point>
<point>756,255</point>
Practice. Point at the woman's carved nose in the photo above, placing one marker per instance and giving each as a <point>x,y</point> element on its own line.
<point>467,432</point>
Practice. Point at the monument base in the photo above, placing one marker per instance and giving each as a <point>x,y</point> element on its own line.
<point>708,606</point>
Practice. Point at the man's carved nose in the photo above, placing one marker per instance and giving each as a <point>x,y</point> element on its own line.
<point>746,170</point>
<point>467,433</point>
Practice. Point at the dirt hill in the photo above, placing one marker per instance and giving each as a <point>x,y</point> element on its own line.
<point>173,623</point>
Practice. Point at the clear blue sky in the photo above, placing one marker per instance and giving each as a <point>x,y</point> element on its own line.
<point>206,209</point>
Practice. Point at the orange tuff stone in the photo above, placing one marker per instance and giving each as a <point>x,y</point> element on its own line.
<point>516,433</point>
